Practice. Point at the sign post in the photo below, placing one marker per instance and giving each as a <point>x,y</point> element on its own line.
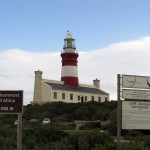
<point>19,132</point>
<point>118,113</point>
<point>11,102</point>
<point>136,105</point>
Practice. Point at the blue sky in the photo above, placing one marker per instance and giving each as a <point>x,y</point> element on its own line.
<point>112,37</point>
<point>41,25</point>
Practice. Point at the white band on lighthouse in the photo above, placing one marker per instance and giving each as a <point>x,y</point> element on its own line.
<point>70,71</point>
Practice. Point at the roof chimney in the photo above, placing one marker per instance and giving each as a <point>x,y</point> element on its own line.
<point>96,83</point>
<point>37,86</point>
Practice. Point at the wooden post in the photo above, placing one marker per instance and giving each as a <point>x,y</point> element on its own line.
<point>19,132</point>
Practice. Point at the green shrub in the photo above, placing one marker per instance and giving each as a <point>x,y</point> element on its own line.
<point>90,126</point>
<point>133,134</point>
<point>92,138</point>
<point>67,126</point>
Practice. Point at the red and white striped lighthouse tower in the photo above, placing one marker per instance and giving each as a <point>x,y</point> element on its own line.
<point>69,73</point>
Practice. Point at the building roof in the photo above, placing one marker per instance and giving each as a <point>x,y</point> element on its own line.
<point>57,86</point>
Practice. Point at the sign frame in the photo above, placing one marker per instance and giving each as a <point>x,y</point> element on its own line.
<point>11,101</point>
<point>135,94</point>
<point>134,81</point>
<point>135,115</point>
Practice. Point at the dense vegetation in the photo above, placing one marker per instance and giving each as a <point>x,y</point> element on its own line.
<point>78,111</point>
<point>97,125</point>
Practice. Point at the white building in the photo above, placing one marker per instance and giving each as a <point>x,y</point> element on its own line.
<point>68,89</point>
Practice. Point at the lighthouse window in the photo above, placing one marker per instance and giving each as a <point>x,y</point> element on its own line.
<point>55,95</point>
<point>99,99</point>
<point>71,96</point>
<point>73,44</point>
<point>63,95</point>
<point>78,98</point>
<point>69,44</point>
<point>85,98</point>
<point>92,98</point>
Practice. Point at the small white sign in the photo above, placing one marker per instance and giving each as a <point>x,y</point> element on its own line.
<point>131,81</point>
<point>136,94</point>
<point>135,115</point>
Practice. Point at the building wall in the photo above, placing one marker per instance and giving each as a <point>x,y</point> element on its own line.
<point>78,97</point>
<point>46,92</point>
<point>51,95</point>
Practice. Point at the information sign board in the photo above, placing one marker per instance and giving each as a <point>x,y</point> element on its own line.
<point>135,115</point>
<point>11,102</point>
<point>131,81</point>
<point>136,94</point>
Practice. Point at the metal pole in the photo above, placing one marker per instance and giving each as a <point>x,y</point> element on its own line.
<point>19,132</point>
<point>118,114</point>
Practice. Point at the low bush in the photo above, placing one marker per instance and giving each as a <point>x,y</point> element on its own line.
<point>90,126</point>
<point>133,134</point>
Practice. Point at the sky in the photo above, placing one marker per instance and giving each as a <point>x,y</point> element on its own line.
<point>112,37</point>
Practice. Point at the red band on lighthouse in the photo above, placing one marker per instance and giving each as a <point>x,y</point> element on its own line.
<point>69,59</point>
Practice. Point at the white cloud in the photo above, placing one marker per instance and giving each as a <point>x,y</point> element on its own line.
<point>131,57</point>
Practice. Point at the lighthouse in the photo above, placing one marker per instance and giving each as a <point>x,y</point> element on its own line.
<point>69,55</point>
<point>67,90</point>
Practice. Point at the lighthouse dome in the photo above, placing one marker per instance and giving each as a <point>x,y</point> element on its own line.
<point>69,36</point>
